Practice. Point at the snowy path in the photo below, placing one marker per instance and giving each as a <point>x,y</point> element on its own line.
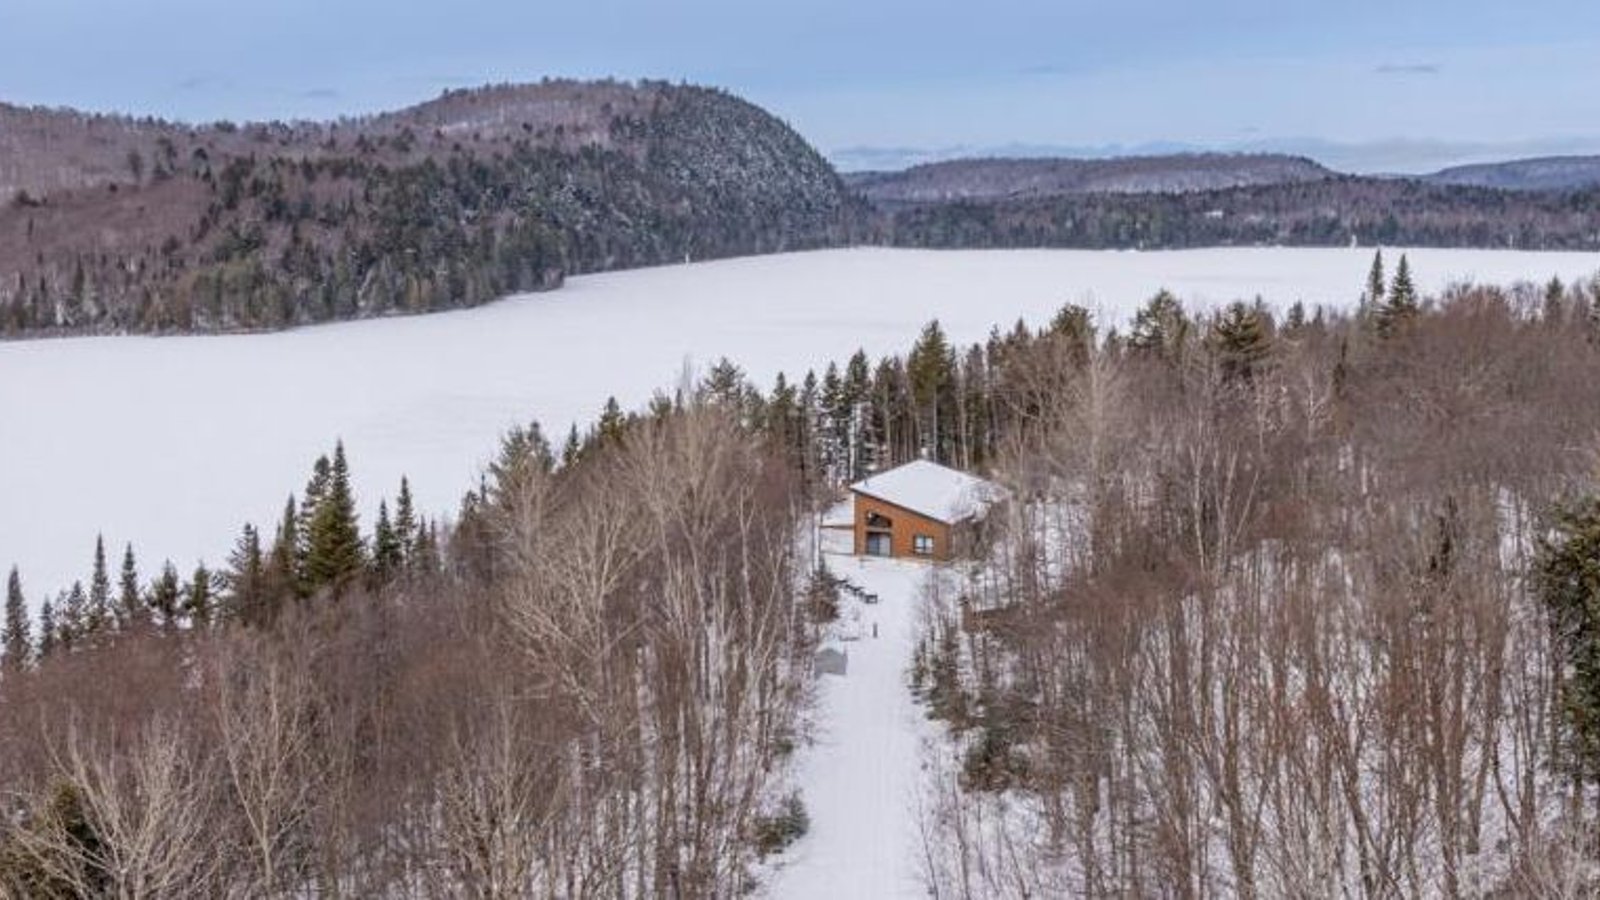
<point>859,779</point>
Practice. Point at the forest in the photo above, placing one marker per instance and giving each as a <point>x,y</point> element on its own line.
<point>1282,601</point>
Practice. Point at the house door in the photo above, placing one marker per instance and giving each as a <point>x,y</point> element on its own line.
<point>879,543</point>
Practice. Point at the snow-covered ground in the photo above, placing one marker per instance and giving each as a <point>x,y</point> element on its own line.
<point>861,778</point>
<point>172,443</point>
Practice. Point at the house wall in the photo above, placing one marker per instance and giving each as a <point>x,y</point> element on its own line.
<point>907,525</point>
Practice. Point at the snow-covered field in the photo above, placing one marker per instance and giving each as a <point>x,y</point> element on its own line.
<point>172,443</point>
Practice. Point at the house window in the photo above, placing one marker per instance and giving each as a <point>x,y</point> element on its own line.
<point>922,544</point>
<point>879,544</point>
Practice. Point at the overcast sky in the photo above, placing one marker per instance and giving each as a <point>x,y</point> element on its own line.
<point>1395,84</point>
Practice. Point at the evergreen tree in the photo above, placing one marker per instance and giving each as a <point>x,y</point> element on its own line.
<point>100,615</point>
<point>246,578</point>
<point>16,639</point>
<point>388,553</point>
<point>131,611</point>
<point>930,368</point>
<point>166,597</point>
<point>612,422</point>
<point>1241,340</point>
<point>316,491</point>
<point>1401,306</point>
<point>49,630</point>
<point>1373,296</point>
<point>524,455</point>
<point>334,552</point>
<point>74,617</point>
<point>1161,328</point>
<point>283,577</point>
<point>1568,579</point>
<point>199,599</point>
<point>405,520</point>
<point>572,447</point>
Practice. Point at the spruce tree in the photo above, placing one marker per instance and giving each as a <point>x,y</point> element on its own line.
<point>334,552</point>
<point>1568,580</point>
<point>166,597</point>
<point>930,368</point>
<point>572,447</point>
<point>283,579</point>
<point>74,616</point>
<point>316,492</point>
<point>246,578</point>
<point>49,631</point>
<point>612,422</point>
<point>198,599</point>
<point>16,639</point>
<point>1401,306</point>
<point>388,553</point>
<point>1373,296</point>
<point>405,520</point>
<point>100,615</point>
<point>131,609</point>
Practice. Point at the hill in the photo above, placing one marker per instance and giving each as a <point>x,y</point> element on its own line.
<point>1550,173</point>
<point>1027,179</point>
<point>116,224</point>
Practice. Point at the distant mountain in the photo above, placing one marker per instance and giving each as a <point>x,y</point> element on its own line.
<point>1550,173</point>
<point>999,179</point>
<point>113,224</point>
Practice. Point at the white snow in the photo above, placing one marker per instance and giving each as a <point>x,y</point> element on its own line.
<point>172,443</point>
<point>861,779</point>
<point>938,492</point>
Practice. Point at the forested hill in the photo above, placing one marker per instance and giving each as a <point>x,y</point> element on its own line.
<point>114,224</point>
<point>1030,179</point>
<point>1335,211</point>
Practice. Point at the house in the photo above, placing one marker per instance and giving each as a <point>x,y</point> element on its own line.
<point>919,510</point>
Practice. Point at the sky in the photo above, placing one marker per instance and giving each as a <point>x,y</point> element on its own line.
<point>1364,85</point>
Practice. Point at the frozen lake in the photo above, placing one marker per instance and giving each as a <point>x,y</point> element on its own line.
<point>172,443</point>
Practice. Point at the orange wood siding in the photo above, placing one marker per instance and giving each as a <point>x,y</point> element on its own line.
<point>906,526</point>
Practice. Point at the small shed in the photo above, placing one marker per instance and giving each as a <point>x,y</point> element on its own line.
<point>917,510</point>
<point>832,661</point>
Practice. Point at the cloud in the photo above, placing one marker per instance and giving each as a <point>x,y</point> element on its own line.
<point>1408,69</point>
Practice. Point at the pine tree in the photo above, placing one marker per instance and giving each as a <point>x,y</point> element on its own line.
<point>130,605</point>
<point>1161,327</point>
<point>16,639</point>
<point>334,551</point>
<point>1242,341</point>
<point>100,615</point>
<point>524,455</point>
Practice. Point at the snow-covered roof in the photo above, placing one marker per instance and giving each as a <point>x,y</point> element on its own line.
<point>932,490</point>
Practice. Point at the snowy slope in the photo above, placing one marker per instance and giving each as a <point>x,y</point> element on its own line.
<point>173,442</point>
<point>861,777</point>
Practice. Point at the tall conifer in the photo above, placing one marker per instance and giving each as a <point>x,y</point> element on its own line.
<point>16,639</point>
